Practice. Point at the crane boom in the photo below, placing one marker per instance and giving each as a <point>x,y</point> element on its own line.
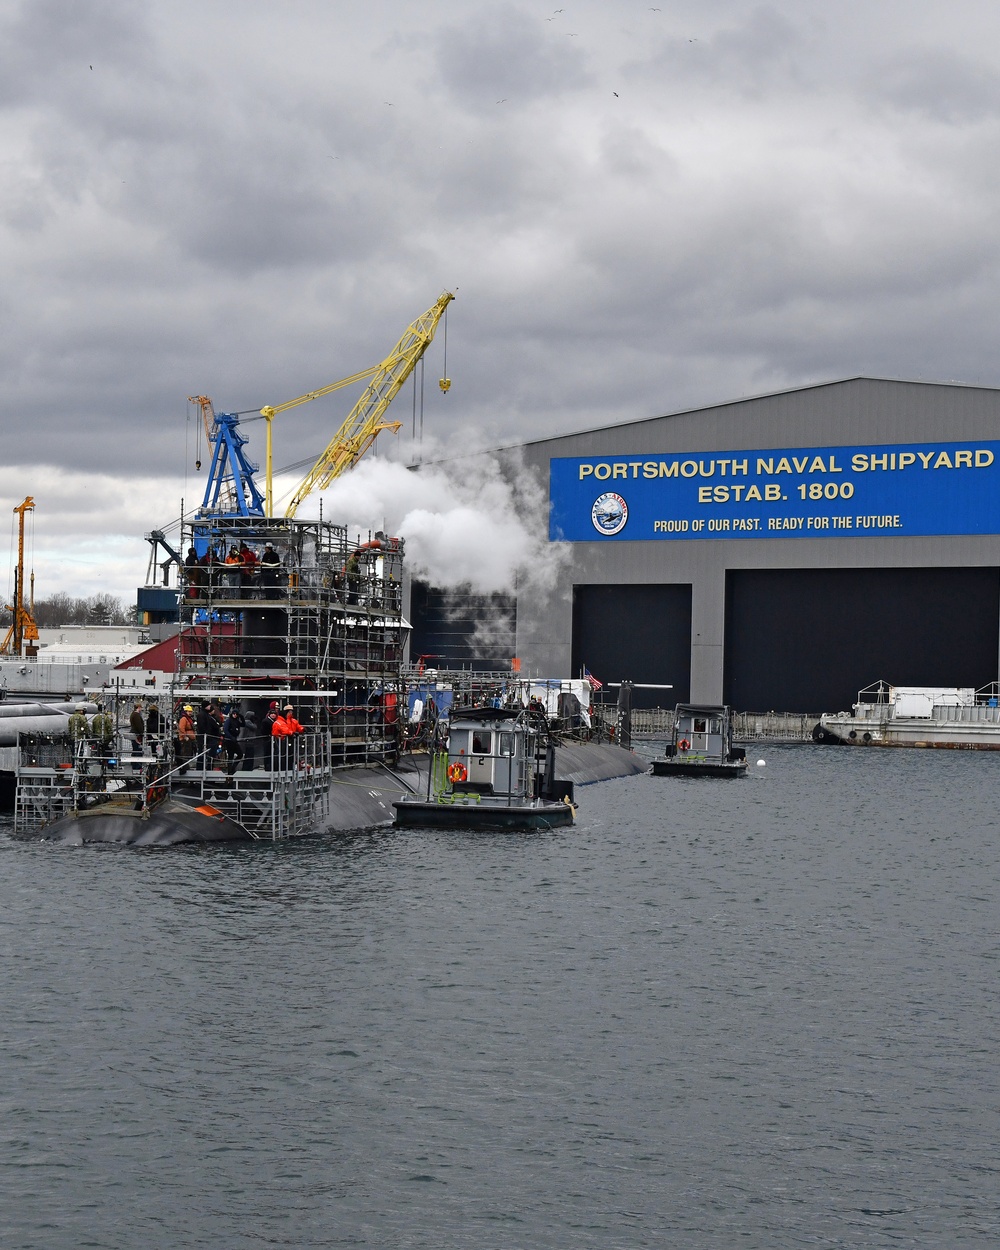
<point>364,422</point>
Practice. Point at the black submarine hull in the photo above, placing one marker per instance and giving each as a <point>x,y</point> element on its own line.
<point>170,824</point>
<point>360,798</point>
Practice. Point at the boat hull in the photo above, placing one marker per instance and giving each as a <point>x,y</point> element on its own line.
<point>423,814</point>
<point>689,768</point>
<point>952,735</point>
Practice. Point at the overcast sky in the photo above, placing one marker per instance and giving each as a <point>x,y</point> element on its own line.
<point>641,207</point>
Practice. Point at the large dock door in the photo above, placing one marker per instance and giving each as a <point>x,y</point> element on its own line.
<point>635,633</point>
<point>807,640</point>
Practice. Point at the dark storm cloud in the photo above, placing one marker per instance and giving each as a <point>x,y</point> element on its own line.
<point>666,208</point>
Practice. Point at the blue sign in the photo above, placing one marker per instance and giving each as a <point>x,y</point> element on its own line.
<point>903,489</point>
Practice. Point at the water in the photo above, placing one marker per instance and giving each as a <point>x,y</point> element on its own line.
<point>714,1014</point>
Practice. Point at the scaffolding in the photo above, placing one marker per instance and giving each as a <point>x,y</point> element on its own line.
<point>278,609</point>
<point>273,612</point>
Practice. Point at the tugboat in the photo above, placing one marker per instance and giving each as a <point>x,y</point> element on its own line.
<point>489,777</point>
<point>701,745</point>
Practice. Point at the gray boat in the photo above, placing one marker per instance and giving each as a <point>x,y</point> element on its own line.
<point>498,772</point>
<point>701,745</point>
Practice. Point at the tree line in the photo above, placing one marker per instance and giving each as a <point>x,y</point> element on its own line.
<point>63,609</point>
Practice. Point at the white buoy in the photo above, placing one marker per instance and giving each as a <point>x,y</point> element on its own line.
<point>761,764</point>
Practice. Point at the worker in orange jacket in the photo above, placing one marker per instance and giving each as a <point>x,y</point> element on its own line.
<point>285,725</point>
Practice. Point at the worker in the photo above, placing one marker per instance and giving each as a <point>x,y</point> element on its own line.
<point>233,572</point>
<point>187,737</point>
<point>281,736</point>
<point>102,727</point>
<point>231,746</point>
<point>79,726</point>
<point>248,571</point>
<point>209,728</point>
<point>194,573</point>
<point>137,727</point>
<point>270,573</point>
<point>267,731</point>
<point>153,724</point>
<point>353,572</point>
<point>250,740</point>
<point>293,725</point>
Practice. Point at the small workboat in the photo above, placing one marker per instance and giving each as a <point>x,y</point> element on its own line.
<point>701,745</point>
<point>498,772</point>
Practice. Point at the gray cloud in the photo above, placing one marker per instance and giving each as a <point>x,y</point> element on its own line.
<point>505,54</point>
<point>250,203</point>
<point>938,84</point>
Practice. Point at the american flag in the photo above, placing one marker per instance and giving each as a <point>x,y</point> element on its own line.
<point>594,683</point>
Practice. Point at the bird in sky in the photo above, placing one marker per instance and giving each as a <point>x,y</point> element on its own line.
<point>503,101</point>
<point>616,95</point>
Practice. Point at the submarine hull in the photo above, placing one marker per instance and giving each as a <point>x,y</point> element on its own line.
<point>170,824</point>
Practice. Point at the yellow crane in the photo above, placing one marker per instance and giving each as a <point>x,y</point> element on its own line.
<point>22,625</point>
<point>364,422</point>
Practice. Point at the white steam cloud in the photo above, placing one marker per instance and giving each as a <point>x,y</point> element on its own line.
<point>476,522</point>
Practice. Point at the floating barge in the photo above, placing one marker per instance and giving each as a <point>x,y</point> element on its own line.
<point>701,745</point>
<point>939,717</point>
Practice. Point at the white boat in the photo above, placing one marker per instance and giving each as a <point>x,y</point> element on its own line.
<point>917,716</point>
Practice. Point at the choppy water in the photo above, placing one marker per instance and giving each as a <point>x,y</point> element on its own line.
<point>760,1013</point>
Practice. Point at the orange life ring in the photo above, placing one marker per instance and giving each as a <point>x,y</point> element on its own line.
<point>457,772</point>
<point>684,745</point>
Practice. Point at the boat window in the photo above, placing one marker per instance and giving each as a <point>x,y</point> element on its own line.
<point>482,742</point>
<point>699,725</point>
<point>506,744</point>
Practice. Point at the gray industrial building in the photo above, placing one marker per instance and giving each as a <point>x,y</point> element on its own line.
<point>778,552</point>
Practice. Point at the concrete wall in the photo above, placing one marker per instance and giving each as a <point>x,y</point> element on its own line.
<point>856,411</point>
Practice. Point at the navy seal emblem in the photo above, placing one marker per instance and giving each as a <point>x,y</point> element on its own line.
<point>609,514</point>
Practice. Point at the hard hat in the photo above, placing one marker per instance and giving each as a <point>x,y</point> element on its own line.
<point>273,705</point>
<point>288,708</point>
<point>188,707</point>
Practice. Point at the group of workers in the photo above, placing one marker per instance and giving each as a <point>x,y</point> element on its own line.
<point>209,734</point>
<point>238,573</point>
<point>142,724</point>
<point>234,737</point>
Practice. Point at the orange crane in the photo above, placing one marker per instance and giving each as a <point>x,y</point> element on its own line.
<point>22,626</point>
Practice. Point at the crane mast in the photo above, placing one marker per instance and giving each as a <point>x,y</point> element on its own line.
<point>22,626</point>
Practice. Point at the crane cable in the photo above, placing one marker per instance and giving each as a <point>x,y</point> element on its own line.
<point>445,383</point>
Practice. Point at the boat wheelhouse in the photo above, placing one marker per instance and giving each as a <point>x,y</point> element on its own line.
<point>498,772</point>
<point>701,745</point>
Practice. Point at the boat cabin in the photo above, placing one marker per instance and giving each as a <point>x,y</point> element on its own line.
<point>701,744</point>
<point>491,751</point>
